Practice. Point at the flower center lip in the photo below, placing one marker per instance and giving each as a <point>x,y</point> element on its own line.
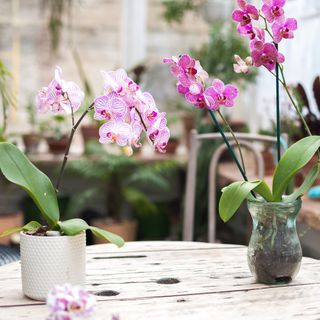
<point>246,19</point>
<point>192,71</point>
<point>106,114</point>
<point>276,10</point>
<point>222,98</point>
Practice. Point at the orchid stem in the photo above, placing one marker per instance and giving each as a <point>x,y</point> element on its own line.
<point>66,154</point>
<point>278,110</point>
<point>72,113</point>
<point>228,145</point>
<point>235,139</point>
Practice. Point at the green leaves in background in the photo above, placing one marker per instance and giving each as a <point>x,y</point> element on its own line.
<point>75,226</point>
<point>18,169</point>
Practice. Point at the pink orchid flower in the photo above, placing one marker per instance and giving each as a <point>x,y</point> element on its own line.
<point>242,66</point>
<point>60,96</point>
<point>273,10</point>
<point>119,82</point>
<point>109,107</point>
<point>188,68</point>
<point>197,100</point>
<point>72,301</point>
<point>156,127</point>
<point>220,94</point>
<point>161,140</point>
<point>259,39</point>
<point>115,132</point>
<point>253,33</point>
<point>191,78</point>
<point>284,29</point>
<point>245,13</point>
<point>268,56</point>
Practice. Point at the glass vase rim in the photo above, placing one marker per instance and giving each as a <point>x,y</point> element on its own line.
<point>261,201</point>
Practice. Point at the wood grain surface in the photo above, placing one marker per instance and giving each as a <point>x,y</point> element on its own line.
<point>176,280</point>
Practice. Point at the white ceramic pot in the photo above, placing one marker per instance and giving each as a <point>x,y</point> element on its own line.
<point>50,261</point>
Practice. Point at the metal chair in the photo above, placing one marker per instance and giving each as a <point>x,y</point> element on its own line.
<point>8,254</point>
<point>247,141</point>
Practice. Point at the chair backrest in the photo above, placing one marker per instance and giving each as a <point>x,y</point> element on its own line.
<point>246,140</point>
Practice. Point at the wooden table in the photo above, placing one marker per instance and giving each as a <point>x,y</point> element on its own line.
<point>176,280</point>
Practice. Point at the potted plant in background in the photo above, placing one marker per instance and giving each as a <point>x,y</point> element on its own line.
<point>274,252</point>
<point>7,98</point>
<point>55,254</point>
<point>122,177</point>
<point>56,133</point>
<point>31,140</point>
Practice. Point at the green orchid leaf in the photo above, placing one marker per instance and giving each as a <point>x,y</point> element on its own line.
<point>75,226</point>
<point>264,191</point>
<point>33,225</point>
<point>306,185</point>
<point>295,158</point>
<point>111,237</point>
<point>234,194</point>
<point>18,169</point>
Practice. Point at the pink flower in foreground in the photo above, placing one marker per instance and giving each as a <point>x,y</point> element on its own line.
<point>60,96</point>
<point>273,9</point>
<point>268,56</point>
<point>66,302</point>
<point>109,107</point>
<point>115,132</point>
<point>245,13</point>
<point>220,94</point>
<point>284,29</point>
<point>242,66</point>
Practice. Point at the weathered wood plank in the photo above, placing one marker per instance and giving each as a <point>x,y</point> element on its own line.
<point>208,272</point>
<point>298,302</point>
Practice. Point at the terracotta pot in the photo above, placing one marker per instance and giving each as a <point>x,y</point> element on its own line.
<point>300,177</point>
<point>57,146</point>
<point>188,124</point>
<point>90,132</point>
<point>8,221</point>
<point>268,162</point>
<point>50,261</point>
<point>172,146</point>
<point>126,229</point>
<point>31,142</point>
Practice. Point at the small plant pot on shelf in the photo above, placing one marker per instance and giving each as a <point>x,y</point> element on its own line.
<point>31,142</point>
<point>47,261</point>
<point>89,133</point>
<point>57,146</point>
<point>126,229</point>
<point>172,146</point>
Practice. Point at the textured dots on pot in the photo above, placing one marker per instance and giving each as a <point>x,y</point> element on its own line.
<point>107,293</point>
<point>168,281</point>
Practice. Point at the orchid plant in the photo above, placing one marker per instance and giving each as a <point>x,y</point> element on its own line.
<point>125,111</point>
<point>191,83</point>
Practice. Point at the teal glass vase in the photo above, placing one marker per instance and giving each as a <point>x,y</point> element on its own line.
<point>274,251</point>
